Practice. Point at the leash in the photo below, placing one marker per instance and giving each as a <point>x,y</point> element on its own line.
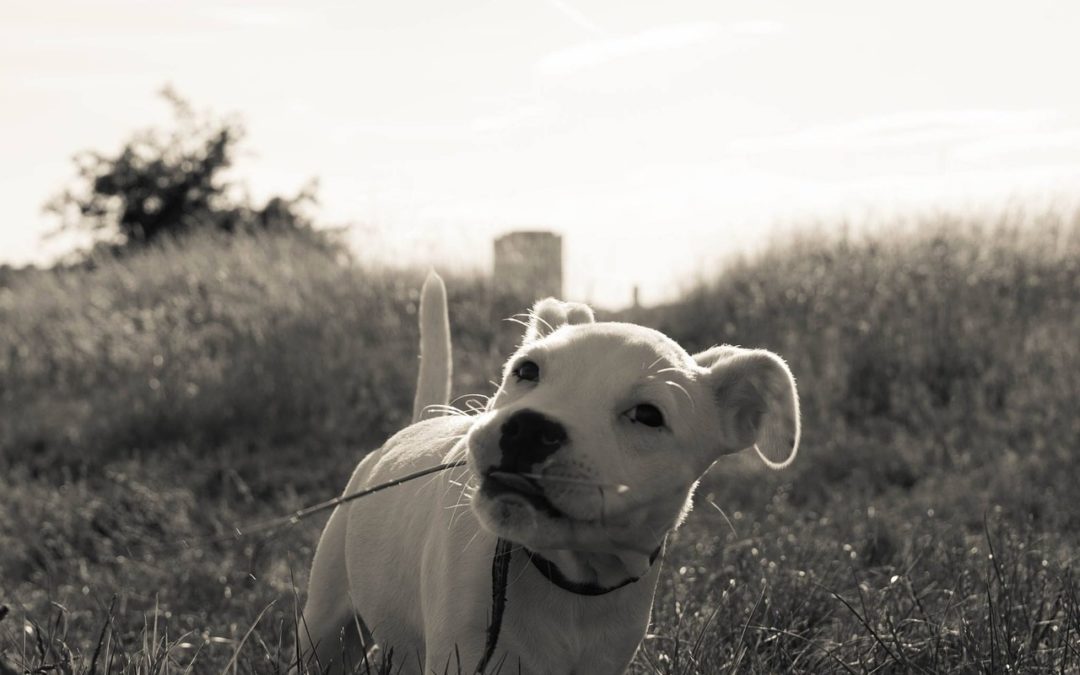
<point>296,516</point>
<point>500,571</point>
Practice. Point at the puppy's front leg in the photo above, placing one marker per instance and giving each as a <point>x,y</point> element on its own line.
<point>450,655</point>
<point>458,599</point>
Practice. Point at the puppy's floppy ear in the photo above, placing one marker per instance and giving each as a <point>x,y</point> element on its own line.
<point>756,402</point>
<point>548,314</point>
<point>709,357</point>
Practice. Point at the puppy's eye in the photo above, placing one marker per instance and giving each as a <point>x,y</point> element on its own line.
<point>527,370</point>
<point>647,414</point>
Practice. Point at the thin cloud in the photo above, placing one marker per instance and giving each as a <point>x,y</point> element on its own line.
<point>576,16</point>
<point>656,40</point>
<point>248,16</point>
<point>501,120</point>
<point>403,132</point>
<point>903,130</point>
<point>598,52</point>
<point>1058,141</point>
<point>510,118</point>
<point>758,27</point>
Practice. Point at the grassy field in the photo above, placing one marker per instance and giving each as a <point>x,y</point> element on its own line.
<point>931,524</point>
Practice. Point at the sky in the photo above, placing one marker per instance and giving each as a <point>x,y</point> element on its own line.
<point>658,138</point>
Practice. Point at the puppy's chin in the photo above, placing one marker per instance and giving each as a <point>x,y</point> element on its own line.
<point>512,517</point>
<point>515,519</point>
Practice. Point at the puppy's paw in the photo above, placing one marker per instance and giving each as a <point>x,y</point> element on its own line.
<point>549,314</point>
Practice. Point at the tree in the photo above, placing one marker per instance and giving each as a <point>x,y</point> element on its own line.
<point>173,183</point>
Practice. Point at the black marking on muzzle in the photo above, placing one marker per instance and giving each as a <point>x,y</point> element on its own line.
<point>527,439</point>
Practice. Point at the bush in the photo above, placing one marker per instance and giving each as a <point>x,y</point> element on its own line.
<point>170,184</point>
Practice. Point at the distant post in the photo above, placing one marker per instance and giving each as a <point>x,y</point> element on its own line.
<point>528,267</point>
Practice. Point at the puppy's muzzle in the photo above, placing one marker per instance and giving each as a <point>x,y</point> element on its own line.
<point>527,439</point>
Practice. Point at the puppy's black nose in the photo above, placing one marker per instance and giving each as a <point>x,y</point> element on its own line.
<point>528,438</point>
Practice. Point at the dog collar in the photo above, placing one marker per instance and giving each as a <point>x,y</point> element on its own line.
<point>553,574</point>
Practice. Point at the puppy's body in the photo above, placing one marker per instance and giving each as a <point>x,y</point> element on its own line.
<point>586,458</point>
<point>421,579</point>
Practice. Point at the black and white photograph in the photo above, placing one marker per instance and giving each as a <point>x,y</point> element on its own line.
<point>539,337</point>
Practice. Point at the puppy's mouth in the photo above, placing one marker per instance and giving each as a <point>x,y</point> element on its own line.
<point>504,483</point>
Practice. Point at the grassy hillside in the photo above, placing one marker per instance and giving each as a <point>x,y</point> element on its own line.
<point>929,525</point>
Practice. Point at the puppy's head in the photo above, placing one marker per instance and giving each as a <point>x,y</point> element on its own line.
<point>600,431</point>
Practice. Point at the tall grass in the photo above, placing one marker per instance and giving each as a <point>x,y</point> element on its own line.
<point>953,343</point>
<point>218,342</point>
<point>930,524</point>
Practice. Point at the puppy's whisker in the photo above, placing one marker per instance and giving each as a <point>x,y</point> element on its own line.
<point>458,503</point>
<point>461,480</point>
<point>447,409</point>
<point>471,540</point>
<point>536,317</point>
<point>653,364</point>
<point>459,464</point>
<point>454,480</point>
<point>456,437</point>
<point>521,572</point>
<point>467,487</point>
<point>681,388</point>
<point>669,369</point>
<point>465,470</point>
<point>620,488</point>
<point>464,496</point>
<point>526,319</point>
<point>494,384</point>
<point>467,490</point>
<point>474,403</point>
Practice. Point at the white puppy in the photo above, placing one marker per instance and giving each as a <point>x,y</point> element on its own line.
<point>585,459</point>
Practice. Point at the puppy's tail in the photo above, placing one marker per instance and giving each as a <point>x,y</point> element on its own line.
<point>433,382</point>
